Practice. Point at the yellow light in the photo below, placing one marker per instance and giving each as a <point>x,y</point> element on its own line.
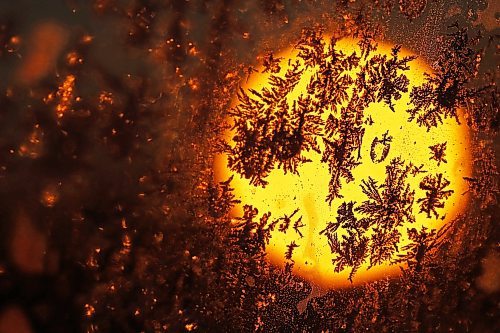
<point>307,192</point>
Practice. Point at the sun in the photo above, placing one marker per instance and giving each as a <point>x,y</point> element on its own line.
<point>422,155</point>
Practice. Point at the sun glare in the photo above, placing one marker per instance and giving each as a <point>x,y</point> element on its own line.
<point>387,135</point>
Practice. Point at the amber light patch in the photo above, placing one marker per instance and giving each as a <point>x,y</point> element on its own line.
<point>435,154</point>
<point>47,41</point>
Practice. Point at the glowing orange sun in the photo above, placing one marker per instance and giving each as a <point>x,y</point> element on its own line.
<point>308,190</point>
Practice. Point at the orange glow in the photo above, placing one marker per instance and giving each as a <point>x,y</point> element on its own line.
<point>50,196</point>
<point>65,94</point>
<point>46,43</point>
<point>308,192</point>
